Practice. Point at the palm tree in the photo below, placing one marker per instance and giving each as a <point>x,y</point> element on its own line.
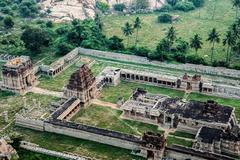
<point>213,37</point>
<point>236,4</point>
<point>127,31</point>
<point>137,26</point>
<point>196,42</point>
<point>230,41</point>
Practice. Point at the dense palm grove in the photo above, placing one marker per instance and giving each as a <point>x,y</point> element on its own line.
<point>23,33</point>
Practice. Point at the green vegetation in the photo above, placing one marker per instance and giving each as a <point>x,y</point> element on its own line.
<point>93,115</point>
<point>125,90</point>
<point>28,155</point>
<point>171,140</point>
<point>196,22</point>
<point>183,134</point>
<point>74,145</point>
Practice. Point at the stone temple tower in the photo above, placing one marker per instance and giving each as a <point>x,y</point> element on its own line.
<point>18,75</point>
<point>82,85</point>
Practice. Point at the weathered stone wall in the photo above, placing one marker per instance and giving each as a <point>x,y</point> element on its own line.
<point>90,136</point>
<point>143,60</point>
<point>29,123</point>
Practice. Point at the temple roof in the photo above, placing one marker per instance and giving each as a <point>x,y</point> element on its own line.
<point>81,80</point>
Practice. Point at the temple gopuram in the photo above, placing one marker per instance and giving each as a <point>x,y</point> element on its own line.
<point>18,75</point>
<point>82,85</point>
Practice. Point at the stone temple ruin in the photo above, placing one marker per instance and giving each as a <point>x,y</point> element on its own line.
<point>18,75</point>
<point>82,85</point>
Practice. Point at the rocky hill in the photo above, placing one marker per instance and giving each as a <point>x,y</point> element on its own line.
<point>66,10</point>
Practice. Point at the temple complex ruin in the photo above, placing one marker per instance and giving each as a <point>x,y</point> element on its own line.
<point>18,75</point>
<point>82,85</point>
<point>7,152</point>
<point>174,113</point>
<point>218,140</point>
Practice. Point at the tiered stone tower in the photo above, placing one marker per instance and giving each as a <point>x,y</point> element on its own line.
<point>82,85</point>
<point>18,75</point>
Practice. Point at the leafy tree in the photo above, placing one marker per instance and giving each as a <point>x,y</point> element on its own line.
<point>162,49</point>
<point>182,45</point>
<point>198,3</point>
<point>49,24</point>
<point>119,7</point>
<point>8,22</point>
<point>236,4</point>
<point>104,7</point>
<point>35,38</point>
<point>115,43</point>
<point>28,8</point>
<point>127,31</point>
<point>196,42</point>
<point>229,41</point>
<point>171,35</point>
<point>64,48</point>
<point>137,26</point>
<point>98,21</point>
<point>213,37</point>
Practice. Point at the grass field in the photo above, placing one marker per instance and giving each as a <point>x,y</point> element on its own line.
<point>77,146</point>
<point>28,155</point>
<point>93,115</point>
<point>125,90</point>
<point>174,140</point>
<point>190,23</point>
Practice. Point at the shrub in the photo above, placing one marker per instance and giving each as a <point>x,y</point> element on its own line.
<point>165,18</point>
<point>64,48</point>
<point>180,57</point>
<point>220,64</point>
<point>184,6</point>
<point>49,24</point>
<point>119,7</point>
<point>181,45</point>
<point>141,4</point>
<point>8,22</point>
<point>115,43</point>
<point>140,51</point>
<point>104,7</point>
<point>165,8</point>
<point>195,59</point>
<point>198,3</point>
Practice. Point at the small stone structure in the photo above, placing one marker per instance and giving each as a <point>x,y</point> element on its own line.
<point>58,66</point>
<point>218,140</point>
<point>174,113</point>
<point>18,75</point>
<point>82,85</point>
<point>6,151</point>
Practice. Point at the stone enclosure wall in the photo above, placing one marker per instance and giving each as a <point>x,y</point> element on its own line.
<point>143,60</point>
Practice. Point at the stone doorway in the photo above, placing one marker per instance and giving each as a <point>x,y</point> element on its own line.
<point>189,86</point>
<point>150,155</point>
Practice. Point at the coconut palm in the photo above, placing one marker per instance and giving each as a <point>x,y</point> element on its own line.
<point>229,41</point>
<point>127,31</point>
<point>196,42</point>
<point>137,26</point>
<point>236,4</point>
<point>213,37</point>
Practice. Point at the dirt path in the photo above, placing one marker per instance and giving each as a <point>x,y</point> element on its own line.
<point>105,104</point>
<point>46,92</point>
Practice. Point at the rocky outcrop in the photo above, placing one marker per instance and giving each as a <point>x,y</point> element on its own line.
<point>67,10</point>
<point>153,4</point>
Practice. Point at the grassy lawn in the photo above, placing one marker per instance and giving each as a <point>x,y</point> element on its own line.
<point>183,134</point>
<point>188,25</point>
<point>93,115</point>
<point>14,103</point>
<point>125,90</point>
<point>171,140</point>
<point>77,146</point>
